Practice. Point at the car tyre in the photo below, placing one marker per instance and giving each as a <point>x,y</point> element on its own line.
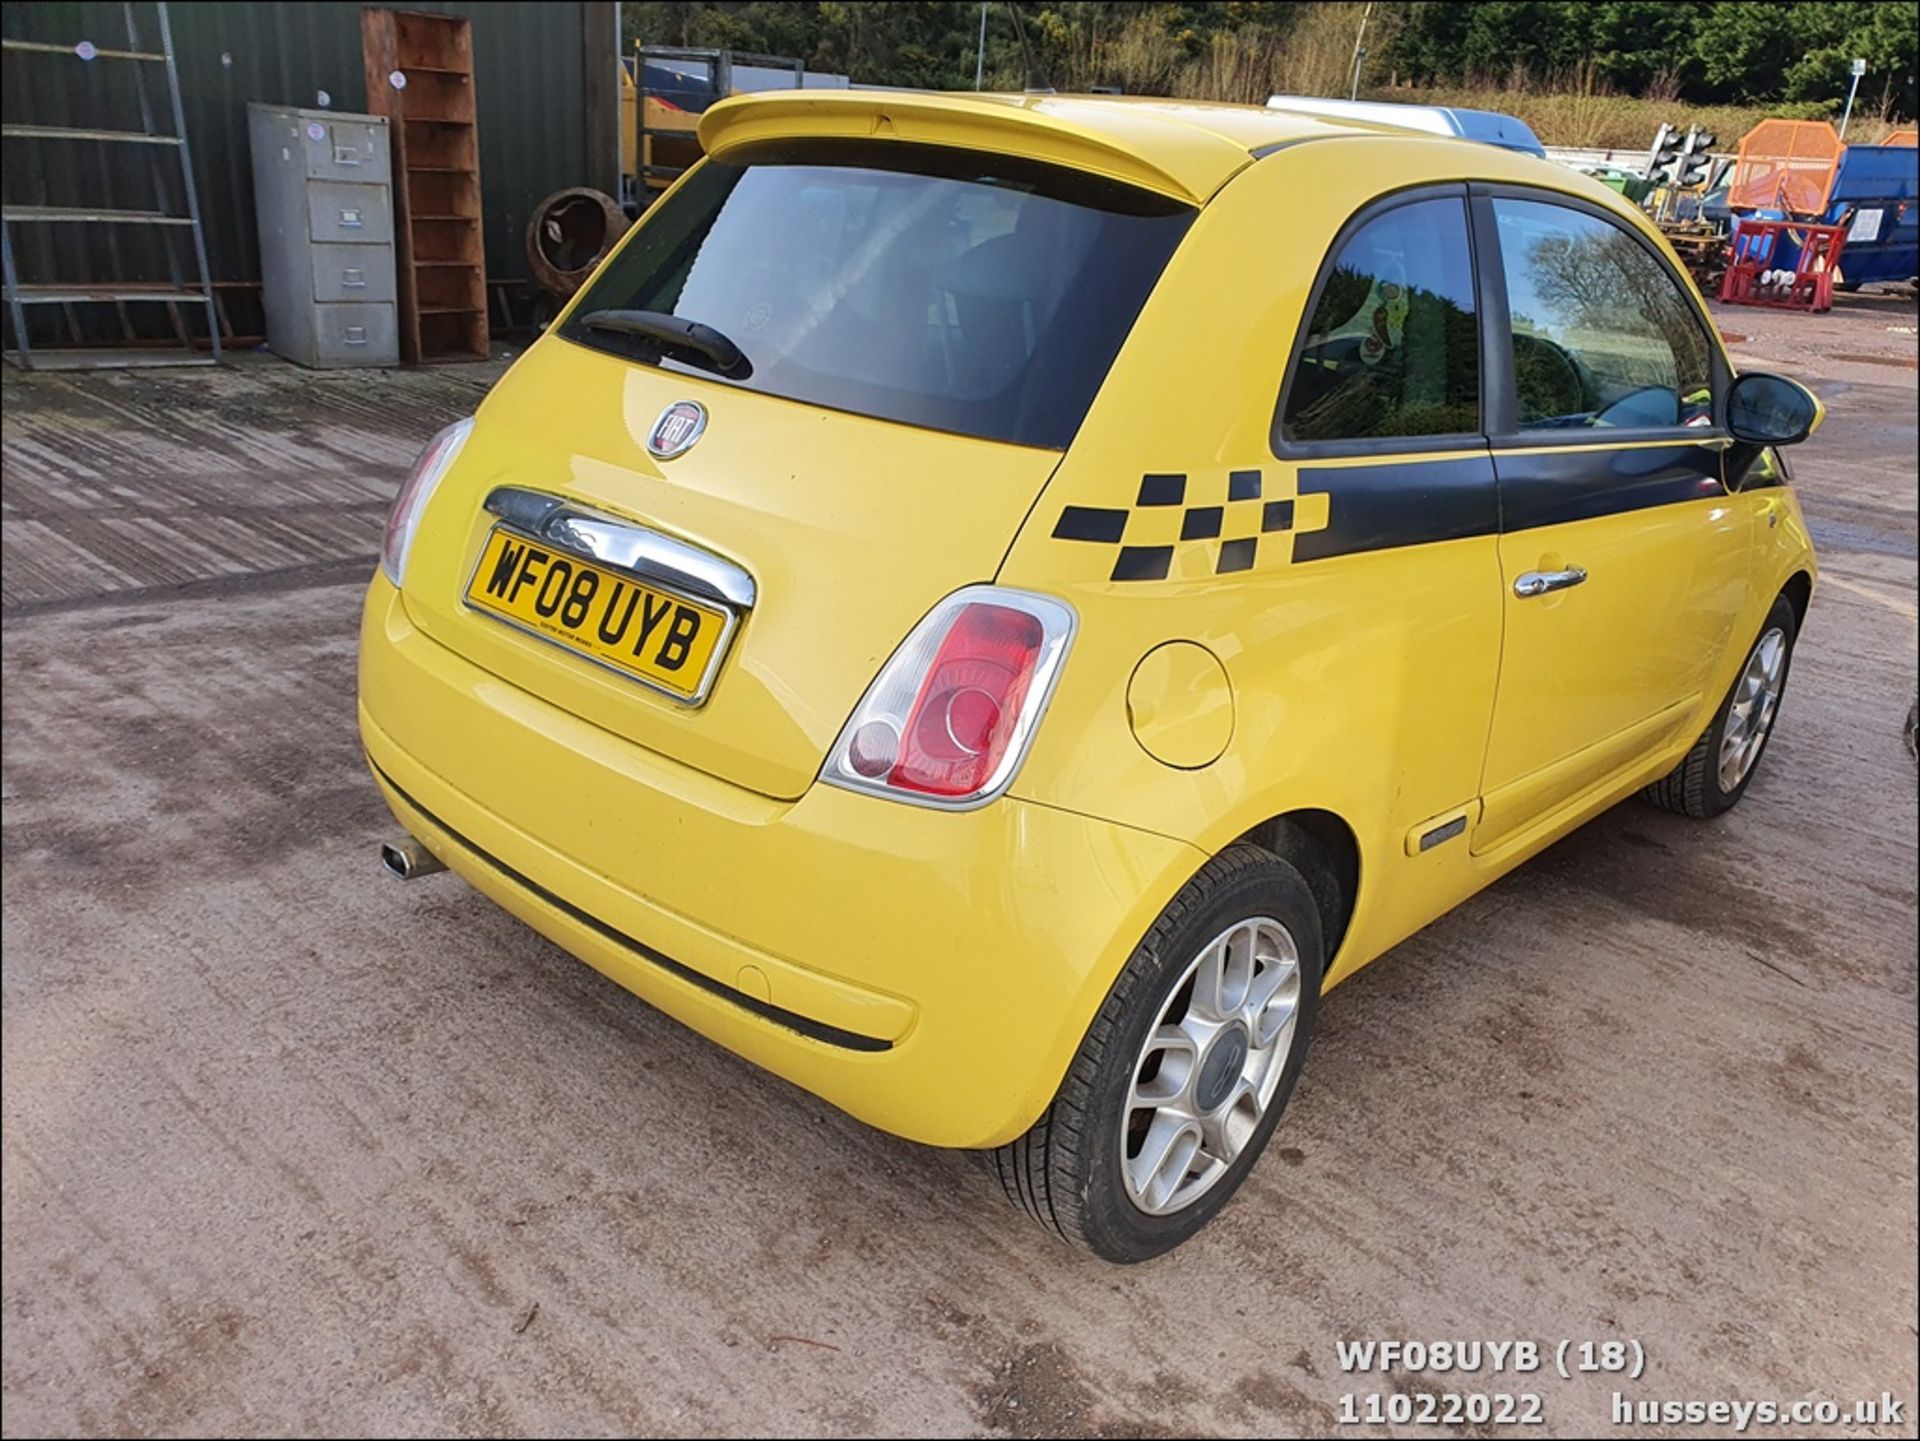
<point>1245,917</point>
<point>1722,763</point>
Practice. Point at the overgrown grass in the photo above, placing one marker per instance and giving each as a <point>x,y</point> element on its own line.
<point>1313,55</point>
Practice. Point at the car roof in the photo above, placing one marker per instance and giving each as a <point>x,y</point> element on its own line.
<point>1184,148</point>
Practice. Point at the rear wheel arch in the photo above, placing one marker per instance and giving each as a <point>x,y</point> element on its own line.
<point>1074,1170</point>
<point>1324,849</point>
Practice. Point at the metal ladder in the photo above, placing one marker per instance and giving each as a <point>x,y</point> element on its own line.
<point>176,289</point>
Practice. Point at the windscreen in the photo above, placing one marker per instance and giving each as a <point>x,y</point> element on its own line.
<point>949,289</point>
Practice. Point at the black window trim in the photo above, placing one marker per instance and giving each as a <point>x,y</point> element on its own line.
<point>1501,407</point>
<point>1385,445</point>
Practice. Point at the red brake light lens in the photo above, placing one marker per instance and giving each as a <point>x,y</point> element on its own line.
<point>963,717</point>
<point>949,718</point>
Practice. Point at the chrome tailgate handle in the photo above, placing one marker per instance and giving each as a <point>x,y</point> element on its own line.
<point>1539,582</point>
<point>624,546</point>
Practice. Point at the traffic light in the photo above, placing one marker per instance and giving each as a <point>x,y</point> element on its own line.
<point>1690,173</point>
<point>1666,150</point>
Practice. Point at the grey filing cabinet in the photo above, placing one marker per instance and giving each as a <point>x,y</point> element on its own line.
<point>323,191</point>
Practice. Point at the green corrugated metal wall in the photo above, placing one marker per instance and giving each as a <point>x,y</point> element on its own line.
<point>527,63</point>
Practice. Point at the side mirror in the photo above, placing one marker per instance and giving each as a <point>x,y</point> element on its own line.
<point>1767,409</point>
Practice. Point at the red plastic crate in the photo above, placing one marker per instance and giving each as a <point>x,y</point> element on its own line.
<point>1754,278</point>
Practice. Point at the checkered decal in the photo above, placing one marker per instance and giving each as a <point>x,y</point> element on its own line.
<point>1229,524</point>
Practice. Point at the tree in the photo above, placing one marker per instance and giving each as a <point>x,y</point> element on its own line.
<point>1761,52</point>
<point>1637,44</point>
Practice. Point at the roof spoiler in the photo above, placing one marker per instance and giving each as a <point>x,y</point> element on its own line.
<point>1026,125</point>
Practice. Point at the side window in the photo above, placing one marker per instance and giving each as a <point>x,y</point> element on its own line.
<point>1602,334</point>
<point>1392,348</point>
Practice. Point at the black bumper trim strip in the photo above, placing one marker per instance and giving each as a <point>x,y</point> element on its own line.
<point>803,1025</point>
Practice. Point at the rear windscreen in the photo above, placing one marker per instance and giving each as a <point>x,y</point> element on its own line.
<point>941,288</point>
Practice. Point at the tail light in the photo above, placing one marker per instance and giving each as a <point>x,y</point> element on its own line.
<point>950,717</point>
<point>414,493</point>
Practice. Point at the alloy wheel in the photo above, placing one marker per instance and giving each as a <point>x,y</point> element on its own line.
<point>1210,1065</point>
<point>1750,717</point>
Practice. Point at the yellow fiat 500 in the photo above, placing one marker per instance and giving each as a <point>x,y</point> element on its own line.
<point>988,606</point>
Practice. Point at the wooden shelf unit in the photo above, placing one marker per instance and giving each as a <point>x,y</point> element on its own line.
<point>436,178</point>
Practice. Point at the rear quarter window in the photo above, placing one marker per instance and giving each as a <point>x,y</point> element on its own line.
<point>1392,347</point>
<point>952,290</point>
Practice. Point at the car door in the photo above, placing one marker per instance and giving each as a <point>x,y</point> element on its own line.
<point>1397,526</point>
<point>1624,558</point>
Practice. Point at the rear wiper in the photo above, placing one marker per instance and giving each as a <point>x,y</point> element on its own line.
<point>672,333</point>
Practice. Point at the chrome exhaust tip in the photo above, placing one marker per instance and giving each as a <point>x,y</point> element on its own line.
<point>407,860</point>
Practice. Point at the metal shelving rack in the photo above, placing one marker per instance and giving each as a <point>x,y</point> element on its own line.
<point>172,292</point>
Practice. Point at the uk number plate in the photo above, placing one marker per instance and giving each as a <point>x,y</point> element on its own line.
<point>663,639</point>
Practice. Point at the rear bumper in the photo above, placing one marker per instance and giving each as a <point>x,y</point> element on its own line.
<point>929,972</point>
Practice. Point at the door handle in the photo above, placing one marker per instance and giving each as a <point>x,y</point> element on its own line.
<point>1539,582</point>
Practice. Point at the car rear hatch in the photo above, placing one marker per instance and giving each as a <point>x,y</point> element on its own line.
<point>921,332</point>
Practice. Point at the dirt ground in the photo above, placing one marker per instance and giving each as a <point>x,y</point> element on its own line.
<point>290,1148</point>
